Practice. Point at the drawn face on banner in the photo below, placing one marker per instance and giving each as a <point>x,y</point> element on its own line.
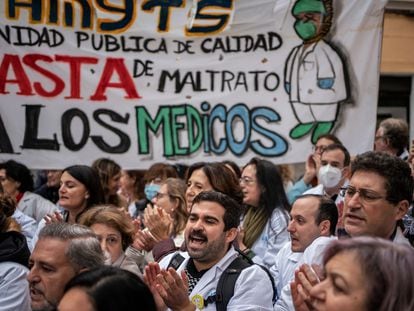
<point>309,16</point>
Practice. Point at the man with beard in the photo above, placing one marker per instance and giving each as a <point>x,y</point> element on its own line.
<point>62,251</point>
<point>192,284</point>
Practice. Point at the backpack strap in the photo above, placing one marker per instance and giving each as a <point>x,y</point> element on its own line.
<point>176,261</point>
<point>227,281</point>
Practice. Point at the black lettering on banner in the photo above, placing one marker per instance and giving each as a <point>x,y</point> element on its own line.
<point>5,143</point>
<point>31,141</point>
<point>143,68</point>
<point>124,140</point>
<point>67,137</point>
<point>183,47</point>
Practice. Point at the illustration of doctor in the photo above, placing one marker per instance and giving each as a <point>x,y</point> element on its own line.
<point>315,75</point>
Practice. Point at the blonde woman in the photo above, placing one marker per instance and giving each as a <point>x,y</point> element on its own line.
<point>165,221</point>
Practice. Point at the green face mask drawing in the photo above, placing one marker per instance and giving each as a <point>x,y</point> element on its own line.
<point>305,29</point>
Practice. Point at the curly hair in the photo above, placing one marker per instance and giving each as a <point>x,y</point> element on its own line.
<point>7,208</point>
<point>19,172</point>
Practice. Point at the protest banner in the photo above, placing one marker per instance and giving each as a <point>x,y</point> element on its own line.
<point>183,81</point>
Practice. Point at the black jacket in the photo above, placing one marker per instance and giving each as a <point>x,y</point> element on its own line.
<point>13,247</point>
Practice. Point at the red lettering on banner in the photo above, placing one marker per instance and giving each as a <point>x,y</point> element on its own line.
<point>75,63</point>
<point>126,82</point>
<point>12,62</point>
<point>30,60</point>
<point>14,65</point>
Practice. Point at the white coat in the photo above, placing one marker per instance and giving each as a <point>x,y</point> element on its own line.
<point>253,289</point>
<point>313,255</point>
<point>35,206</point>
<point>305,67</point>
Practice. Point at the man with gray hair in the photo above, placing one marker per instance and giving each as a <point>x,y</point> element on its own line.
<point>61,252</point>
<point>392,137</point>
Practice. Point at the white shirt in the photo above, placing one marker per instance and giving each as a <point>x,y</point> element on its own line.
<point>286,262</point>
<point>14,288</point>
<point>313,255</point>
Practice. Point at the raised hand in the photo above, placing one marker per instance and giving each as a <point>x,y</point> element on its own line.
<point>53,218</point>
<point>158,222</point>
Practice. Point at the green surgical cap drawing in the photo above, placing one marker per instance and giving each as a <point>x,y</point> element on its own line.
<point>305,6</point>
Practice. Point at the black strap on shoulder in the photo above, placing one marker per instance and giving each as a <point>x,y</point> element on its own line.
<point>227,281</point>
<point>176,261</point>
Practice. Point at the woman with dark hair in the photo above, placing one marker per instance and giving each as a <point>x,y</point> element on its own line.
<point>234,167</point>
<point>16,180</point>
<point>264,229</point>
<point>203,176</point>
<point>361,274</point>
<point>79,190</point>
<point>109,174</point>
<point>107,289</point>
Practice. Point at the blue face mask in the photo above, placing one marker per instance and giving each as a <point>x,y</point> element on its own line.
<point>151,191</point>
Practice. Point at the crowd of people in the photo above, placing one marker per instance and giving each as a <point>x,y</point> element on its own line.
<point>218,237</point>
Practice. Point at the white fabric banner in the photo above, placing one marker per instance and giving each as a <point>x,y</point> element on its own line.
<point>184,81</point>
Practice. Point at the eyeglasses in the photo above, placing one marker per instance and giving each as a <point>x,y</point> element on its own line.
<point>246,180</point>
<point>160,195</point>
<point>365,195</point>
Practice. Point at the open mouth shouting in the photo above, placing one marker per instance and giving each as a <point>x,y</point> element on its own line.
<point>196,239</point>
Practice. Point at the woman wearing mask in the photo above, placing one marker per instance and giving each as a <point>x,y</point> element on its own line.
<point>115,231</point>
<point>153,178</point>
<point>264,228</point>
<point>168,218</point>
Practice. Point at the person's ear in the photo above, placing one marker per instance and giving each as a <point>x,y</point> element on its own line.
<point>325,227</point>
<point>346,172</point>
<point>401,209</point>
<point>18,184</point>
<point>231,234</point>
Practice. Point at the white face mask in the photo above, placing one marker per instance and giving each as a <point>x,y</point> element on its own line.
<point>329,176</point>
